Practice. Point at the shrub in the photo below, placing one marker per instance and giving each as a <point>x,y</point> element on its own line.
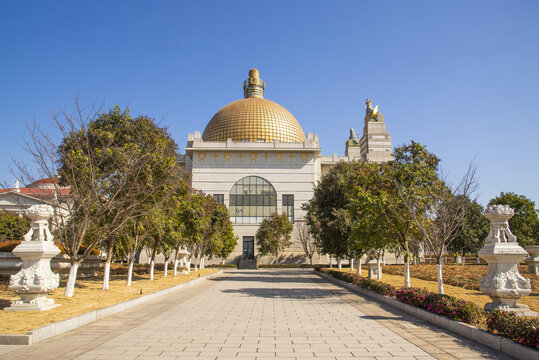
<point>286,266</point>
<point>378,287</point>
<point>445,305</point>
<point>521,329</point>
<point>234,266</point>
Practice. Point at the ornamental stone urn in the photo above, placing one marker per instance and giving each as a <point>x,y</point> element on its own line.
<point>533,259</point>
<point>503,283</point>
<point>35,279</point>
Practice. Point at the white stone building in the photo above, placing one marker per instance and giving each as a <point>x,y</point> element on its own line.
<point>254,157</point>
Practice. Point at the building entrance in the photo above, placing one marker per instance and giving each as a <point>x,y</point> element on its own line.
<point>248,247</point>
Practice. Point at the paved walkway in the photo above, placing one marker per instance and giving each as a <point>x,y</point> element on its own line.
<point>264,314</point>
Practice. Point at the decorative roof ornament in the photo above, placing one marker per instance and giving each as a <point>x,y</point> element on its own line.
<point>372,114</point>
<point>254,86</point>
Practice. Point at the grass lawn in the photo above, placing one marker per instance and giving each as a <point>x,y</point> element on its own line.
<point>89,296</point>
<point>471,271</point>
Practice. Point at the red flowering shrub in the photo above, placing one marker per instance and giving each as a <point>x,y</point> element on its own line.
<point>445,305</point>
<point>521,329</point>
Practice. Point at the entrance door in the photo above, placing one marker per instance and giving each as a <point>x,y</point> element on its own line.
<point>248,247</point>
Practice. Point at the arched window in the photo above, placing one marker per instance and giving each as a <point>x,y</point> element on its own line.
<point>251,200</point>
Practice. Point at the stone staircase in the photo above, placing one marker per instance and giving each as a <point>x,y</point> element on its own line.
<point>247,264</point>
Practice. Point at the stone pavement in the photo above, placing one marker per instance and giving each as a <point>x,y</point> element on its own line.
<point>263,314</point>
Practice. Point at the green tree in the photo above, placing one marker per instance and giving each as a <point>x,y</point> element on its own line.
<point>196,217</point>
<point>525,223</point>
<point>222,240</point>
<point>111,163</point>
<point>413,176</point>
<point>13,227</point>
<point>273,235</point>
<point>327,213</point>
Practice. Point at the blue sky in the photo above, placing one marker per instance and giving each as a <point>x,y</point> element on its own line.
<point>461,77</point>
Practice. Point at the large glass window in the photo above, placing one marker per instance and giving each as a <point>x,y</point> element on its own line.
<point>251,200</point>
<point>288,206</point>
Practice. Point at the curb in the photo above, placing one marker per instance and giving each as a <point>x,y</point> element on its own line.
<point>47,331</point>
<point>483,337</point>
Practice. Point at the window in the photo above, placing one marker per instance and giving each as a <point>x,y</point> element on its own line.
<point>220,198</point>
<point>288,206</point>
<point>251,200</point>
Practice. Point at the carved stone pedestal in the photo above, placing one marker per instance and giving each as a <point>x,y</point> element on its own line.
<point>533,259</point>
<point>35,279</point>
<point>184,265</point>
<point>503,283</point>
<point>374,269</point>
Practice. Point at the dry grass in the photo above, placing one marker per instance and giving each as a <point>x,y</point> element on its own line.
<point>466,294</point>
<point>89,296</point>
<point>466,277</point>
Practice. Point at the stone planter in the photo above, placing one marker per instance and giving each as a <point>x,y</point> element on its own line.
<point>533,259</point>
<point>35,279</point>
<point>503,283</point>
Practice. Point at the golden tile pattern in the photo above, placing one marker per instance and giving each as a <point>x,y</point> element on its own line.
<point>253,119</point>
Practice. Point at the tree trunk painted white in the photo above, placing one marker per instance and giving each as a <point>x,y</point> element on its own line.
<point>330,261</point>
<point>130,273</point>
<point>406,273</point>
<point>176,267</point>
<point>166,269</point>
<point>196,264</point>
<point>152,266</point>
<point>311,260</point>
<point>406,270</point>
<point>359,266</point>
<point>71,278</point>
<point>464,260</point>
<point>351,265</point>
<point>379,267</point>
<point>106,276</point>
<point>202,262</point>
<point>440,280</point>
<point>339,263</point>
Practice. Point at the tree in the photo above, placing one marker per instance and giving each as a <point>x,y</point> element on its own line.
<point>373,225</point>
<point>110,168</point>
<point>222,240</point>
<point>196,217</point>
<point>525,223</point>
<point>327,212</point>
<point>473,231</point>
<point>308,242</point>
<point>413,176</point>
<point>273,235</point>
<point>13,227</point>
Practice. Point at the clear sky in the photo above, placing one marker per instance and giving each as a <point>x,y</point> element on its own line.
<point>461,77</point>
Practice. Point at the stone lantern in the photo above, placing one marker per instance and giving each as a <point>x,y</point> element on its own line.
<point>35,279</point>
<point>503,283</point>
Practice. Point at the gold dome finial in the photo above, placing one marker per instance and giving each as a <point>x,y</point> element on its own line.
<point>254,86</point>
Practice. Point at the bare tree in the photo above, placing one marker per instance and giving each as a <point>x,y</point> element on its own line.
<point>447,215</point>
<point>308,243</point>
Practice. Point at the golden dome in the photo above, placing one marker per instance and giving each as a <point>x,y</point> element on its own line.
<point>254,118</point>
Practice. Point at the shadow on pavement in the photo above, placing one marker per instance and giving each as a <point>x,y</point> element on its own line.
<point>287,293</point>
